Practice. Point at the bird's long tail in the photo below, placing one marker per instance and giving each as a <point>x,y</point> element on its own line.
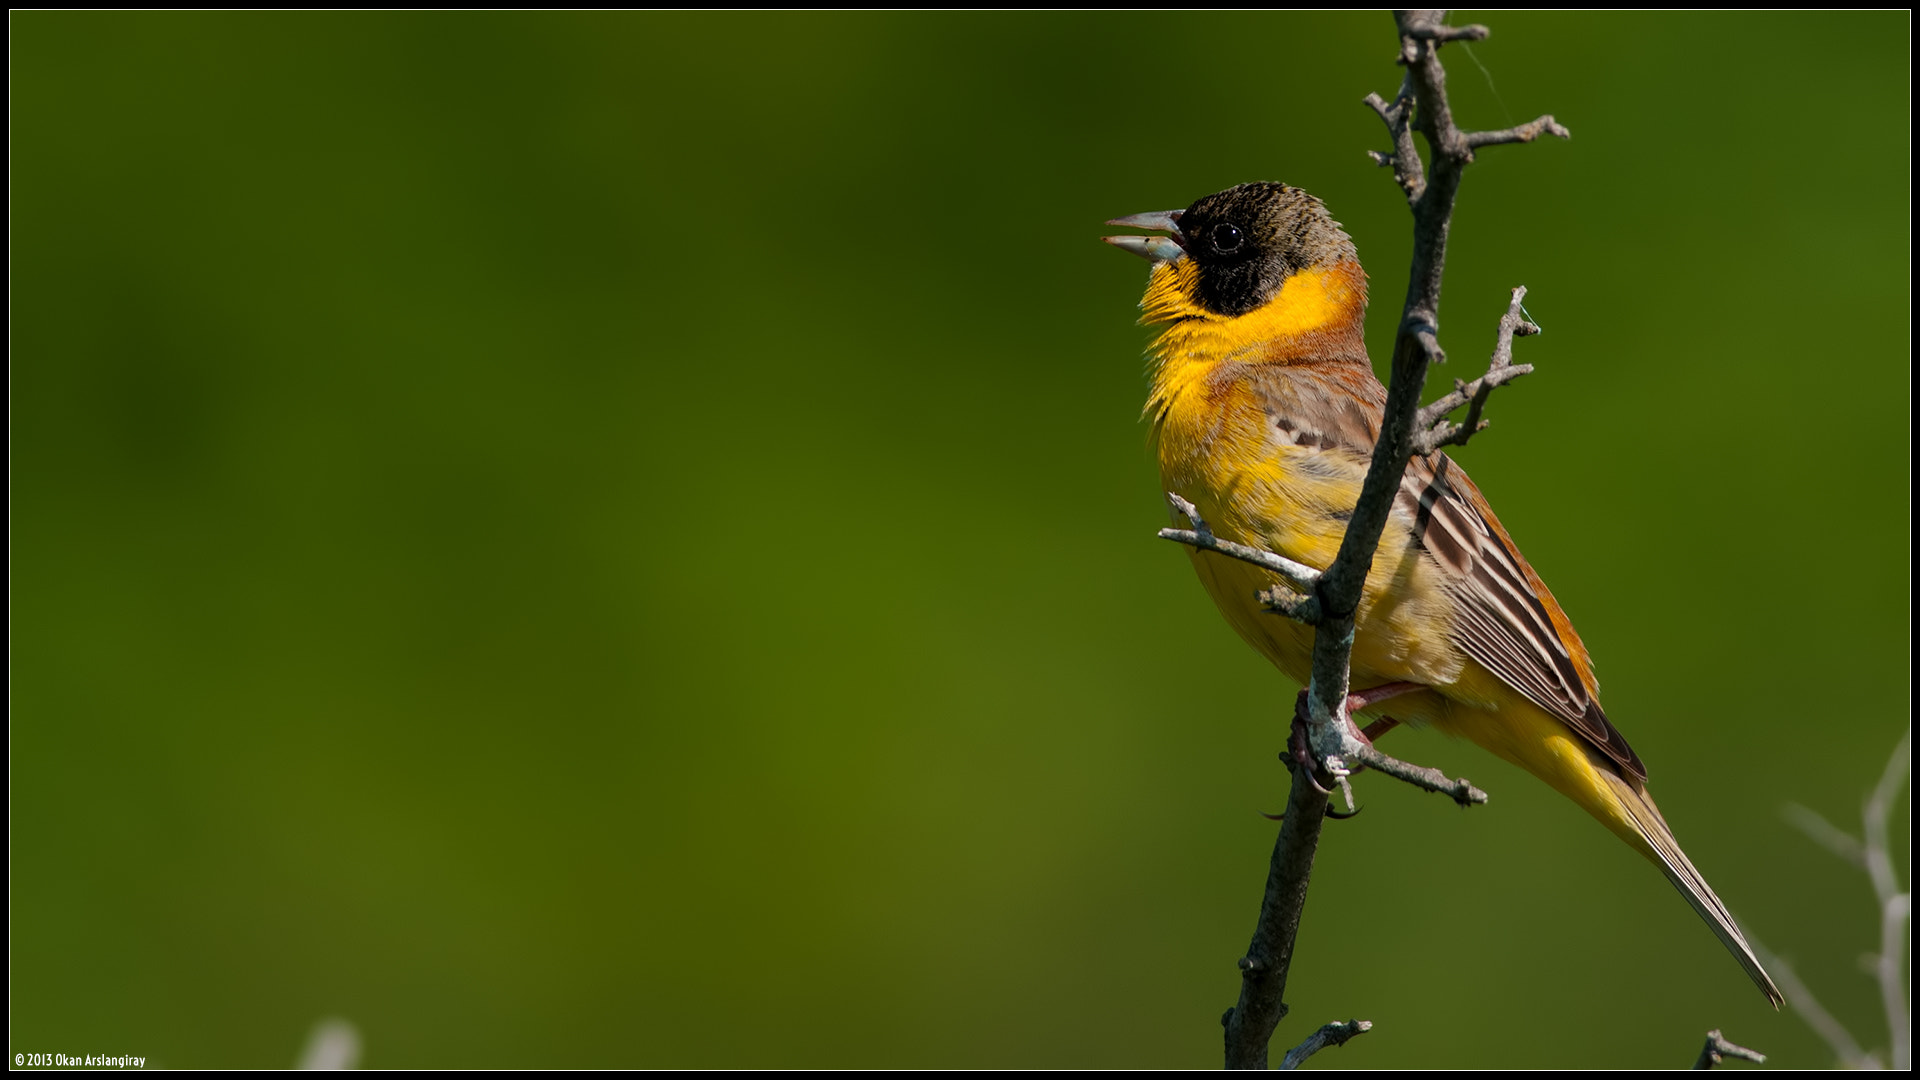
<point>1656,842</point>
<point>1544,747</point>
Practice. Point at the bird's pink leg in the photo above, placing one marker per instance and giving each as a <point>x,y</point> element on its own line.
<point>1367,699</point>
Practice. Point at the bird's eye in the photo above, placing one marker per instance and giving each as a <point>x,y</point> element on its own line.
<point>1226,237</point>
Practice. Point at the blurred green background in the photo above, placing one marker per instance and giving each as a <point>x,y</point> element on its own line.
<point>593,540</point>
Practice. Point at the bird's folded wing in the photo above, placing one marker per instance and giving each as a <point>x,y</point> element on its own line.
<point>1504,616</point>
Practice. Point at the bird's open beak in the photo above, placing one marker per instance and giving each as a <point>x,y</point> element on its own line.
<point>1151,248</point>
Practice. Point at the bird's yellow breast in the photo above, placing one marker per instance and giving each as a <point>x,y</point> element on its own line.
<point>1311,301</point>
<point>1219,448</point>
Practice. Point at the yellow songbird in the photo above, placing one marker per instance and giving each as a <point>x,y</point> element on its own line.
<point>1265,410</point>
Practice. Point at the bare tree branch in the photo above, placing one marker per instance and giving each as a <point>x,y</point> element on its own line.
<point>1423,96</point>
<point>1846,1049</point>
<point>1263,970</point>
<point>1421,105</point>
<point>1875,856</point>
<point>1338,1033</point>
<point>1718,1048</point>
<point>1894,902</point>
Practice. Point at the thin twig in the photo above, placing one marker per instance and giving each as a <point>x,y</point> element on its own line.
<point>1433,430</point>
<point>1429,32</point>
<point>1338,1033</point>
<point>1419,776</point>
<point>1301,576</point>
<point>1522,133</point>
<point>333,1044</point>
<point>1894,903</point>
<point>1718,1048</point>
<point>1408,171</point>
<point>1846,1049</point>
<point>1874,855</point>
<point>1825,833</point>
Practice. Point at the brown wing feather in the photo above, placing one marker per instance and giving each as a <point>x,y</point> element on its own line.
<point>1505,618</point>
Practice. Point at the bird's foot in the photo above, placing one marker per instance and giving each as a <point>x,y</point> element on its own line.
<point>1356,701</point>
<point>1301,750</point>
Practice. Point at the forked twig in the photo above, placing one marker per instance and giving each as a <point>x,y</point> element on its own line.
<point>1718,1048</point>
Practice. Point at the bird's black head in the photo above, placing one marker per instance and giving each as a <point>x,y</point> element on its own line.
<point>1248,240</point>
